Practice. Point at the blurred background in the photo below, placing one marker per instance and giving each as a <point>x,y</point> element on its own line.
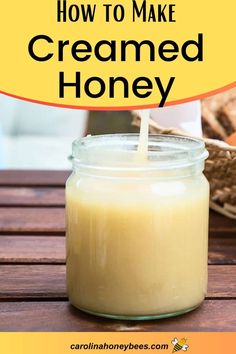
<point>34,136</point>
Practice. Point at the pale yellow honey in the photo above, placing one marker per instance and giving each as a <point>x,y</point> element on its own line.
<point>136,246</point>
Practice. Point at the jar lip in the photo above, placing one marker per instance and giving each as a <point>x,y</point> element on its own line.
<point>164,152</point>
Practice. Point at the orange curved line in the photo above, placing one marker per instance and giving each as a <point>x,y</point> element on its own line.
<point>203,95</point>
<point>124,108</point>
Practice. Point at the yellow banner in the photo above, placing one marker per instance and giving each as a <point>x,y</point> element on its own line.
<point>62,343</point>
<point>100,54</point>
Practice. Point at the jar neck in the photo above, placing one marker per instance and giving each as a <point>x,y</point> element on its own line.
<point>139,173</point>
<point>116,156</point>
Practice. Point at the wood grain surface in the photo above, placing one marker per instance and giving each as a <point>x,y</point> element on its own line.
<point>48,281</point>
<point>222,250</point>
<point>28,220</point>
<point>51,249</point>
<point>32,265</point>
<point>42,196</point>
<point>61,316</point>
<point>52,219</point>
<point>33,178</point>
<point>32,249</point>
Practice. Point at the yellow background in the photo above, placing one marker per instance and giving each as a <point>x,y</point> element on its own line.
<point>20,75</point>
<point>59,343</point>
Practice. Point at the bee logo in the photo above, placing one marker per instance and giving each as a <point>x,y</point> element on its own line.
<point>179,344</point>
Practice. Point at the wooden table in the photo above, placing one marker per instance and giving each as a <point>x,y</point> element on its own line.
<point>32,271</point>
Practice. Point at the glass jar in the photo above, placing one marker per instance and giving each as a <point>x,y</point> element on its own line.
<point>137,231</point>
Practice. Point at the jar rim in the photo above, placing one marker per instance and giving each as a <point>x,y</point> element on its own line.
<point>164,152</point>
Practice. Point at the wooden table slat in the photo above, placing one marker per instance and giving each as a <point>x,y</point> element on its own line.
<point>219,224</point>
<point>26,220</point>
<point>32,249</point>
<point>213,315</point>
<point>33,178</point>
<point>23,197</point>
<point>48,281</point>
<point>222,250</point>
<point>32,271</point>
<point>44,249</point>
<point>46,196</point>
